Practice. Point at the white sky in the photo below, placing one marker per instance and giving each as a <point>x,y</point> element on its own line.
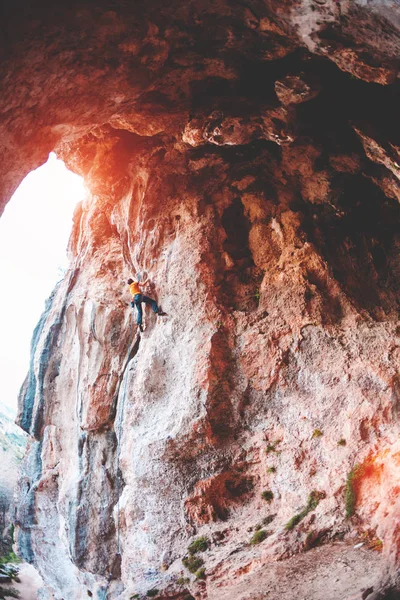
<point>34,232</point>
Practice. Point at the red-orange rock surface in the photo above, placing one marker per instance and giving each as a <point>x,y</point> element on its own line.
<point>246,158</point>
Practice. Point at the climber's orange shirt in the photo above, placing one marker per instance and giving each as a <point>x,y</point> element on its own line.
<point>134,288</point>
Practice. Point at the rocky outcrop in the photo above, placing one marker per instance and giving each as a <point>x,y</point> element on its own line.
<point>12,450</point>
<point>244,156</point>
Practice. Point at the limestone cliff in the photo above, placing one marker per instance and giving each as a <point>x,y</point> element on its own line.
<point>246,156</point>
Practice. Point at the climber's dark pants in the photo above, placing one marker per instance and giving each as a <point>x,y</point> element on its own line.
<point>137,300</point>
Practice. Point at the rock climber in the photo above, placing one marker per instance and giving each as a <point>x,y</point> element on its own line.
<point>138,298</point>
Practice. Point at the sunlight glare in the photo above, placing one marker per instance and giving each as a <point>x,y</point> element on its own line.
<point>34,232</point>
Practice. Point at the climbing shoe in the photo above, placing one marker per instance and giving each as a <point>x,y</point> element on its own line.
<point>141,327</point>
<point>161,313</point>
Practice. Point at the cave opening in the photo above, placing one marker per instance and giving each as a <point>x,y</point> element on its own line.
<point>34,233</point>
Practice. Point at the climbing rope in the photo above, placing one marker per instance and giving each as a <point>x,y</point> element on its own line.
<point>118,432</point>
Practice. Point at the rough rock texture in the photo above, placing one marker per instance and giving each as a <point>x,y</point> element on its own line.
<point>246,157</point>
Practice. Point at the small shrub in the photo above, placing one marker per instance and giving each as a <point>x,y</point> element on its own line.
<point>272,447</point>
<point>295,520</point>
<point>134,597</point>
<point>259,537</point>
<point>258,527</point>
<point>152,593</point>
<point>317,433</point>
<point>200,544</point>
<point>271,470</point>
<point>350,493</point>
<point>312,503</point>
<point>267,495</point>
<point>341,442</point>
<point>10,557</point>
<point>192,563</point>
<point>268,520</point>
<point>313,500</point>
<point>183,581</point>
<point>201,573</point>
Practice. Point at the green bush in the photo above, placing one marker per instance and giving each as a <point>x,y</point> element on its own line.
<point>200,544</point>
<point>10,557</point>
<point>350,493</point>
<point>341,442</point>
<point>201,573</point>
<point>272,447</point>
<point>267,495</point>
<point>152,593</point>
<point>295,520</point>
<point>259,537</point>
<point>317,433</point>
<point>183,580</point>
<point>312,503</point>
<point>192,563</point>
<point>268,520</point>
<point>271,470</point>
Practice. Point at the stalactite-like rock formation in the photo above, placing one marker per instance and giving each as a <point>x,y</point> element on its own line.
<point>246,156</point>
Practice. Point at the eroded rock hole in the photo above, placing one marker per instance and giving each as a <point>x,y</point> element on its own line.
<point>242,277</point>
<point>237,229</point>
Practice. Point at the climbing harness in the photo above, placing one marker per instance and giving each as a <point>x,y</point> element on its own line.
<point>116,566</point>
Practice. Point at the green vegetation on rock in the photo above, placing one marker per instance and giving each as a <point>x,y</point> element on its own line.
<point>317,433</point>
<point>201,573</point>
<point>350,493</point>
<point>272,447</point>
<point>259,537</point>
<point>10,557</point>
<point>192,563</point>
<point>200,544</point>
<point>267,520</point>
<point>312,503</point>
<point>267,495</point>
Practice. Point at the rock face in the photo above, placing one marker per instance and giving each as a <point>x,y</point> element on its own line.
<point>246,157</point>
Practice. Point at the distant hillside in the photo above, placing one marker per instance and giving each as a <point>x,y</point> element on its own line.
<point>12,447</point>
<point>12,438</point>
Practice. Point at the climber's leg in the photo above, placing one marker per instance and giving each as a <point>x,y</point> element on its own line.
<point>151,302</point>
<point>138,303</point>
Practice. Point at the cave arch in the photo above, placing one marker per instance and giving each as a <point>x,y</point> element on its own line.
<point>186,110</point>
